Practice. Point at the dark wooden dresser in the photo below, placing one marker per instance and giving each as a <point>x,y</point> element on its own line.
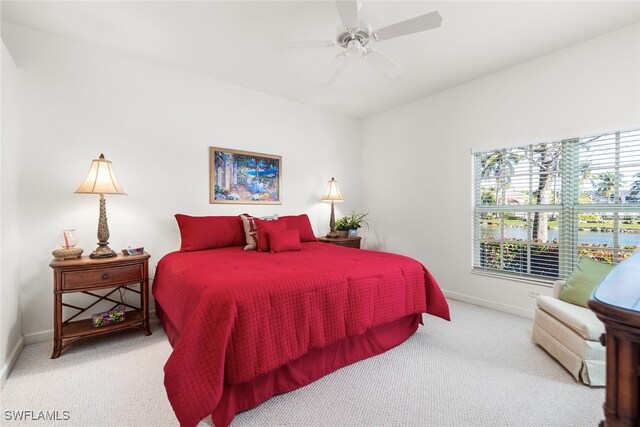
<point>617,303</point>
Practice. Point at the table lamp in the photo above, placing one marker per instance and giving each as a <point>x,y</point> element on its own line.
<point>332,195</point>
<point>101,180</point>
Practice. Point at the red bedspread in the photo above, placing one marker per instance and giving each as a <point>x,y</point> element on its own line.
<point>236,315</point>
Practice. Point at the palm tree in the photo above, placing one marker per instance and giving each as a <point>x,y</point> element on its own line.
<point>500,164</point>
<point>605,184</point>
<point>487,197</point>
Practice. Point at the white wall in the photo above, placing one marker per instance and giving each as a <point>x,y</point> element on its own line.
<point>10,313</point>
<point>155,123</point>
<point>416,162</point>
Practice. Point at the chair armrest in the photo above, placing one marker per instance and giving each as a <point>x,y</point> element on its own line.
<point>557,288</point>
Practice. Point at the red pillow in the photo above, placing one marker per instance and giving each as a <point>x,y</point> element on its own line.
<point>209,232</point>
<point>251,230</point>
<point>265,228</point>
<point>284,241</point>
<point>302,224</point>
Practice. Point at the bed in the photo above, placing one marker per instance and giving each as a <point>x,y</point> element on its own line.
<point>246,325</point>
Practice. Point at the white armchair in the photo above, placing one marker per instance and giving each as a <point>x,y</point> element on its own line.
<point>571,334</point>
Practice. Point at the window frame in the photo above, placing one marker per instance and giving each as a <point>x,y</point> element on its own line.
<point>568,209</point>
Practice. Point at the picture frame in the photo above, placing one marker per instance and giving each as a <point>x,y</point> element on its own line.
<point>244,177</point>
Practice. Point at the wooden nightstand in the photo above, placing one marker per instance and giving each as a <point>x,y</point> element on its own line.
<point>87,275</point>
<point>349,242</point>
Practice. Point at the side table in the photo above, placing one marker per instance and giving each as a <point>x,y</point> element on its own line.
<point>348,242</point>
<point>86,275</point>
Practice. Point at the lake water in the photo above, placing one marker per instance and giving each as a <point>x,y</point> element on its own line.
<point>625,239</point>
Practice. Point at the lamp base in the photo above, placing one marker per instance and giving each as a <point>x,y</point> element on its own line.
<point>103,251</point>
<point>332,234</point>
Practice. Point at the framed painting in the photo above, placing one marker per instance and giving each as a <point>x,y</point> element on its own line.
<point>244,177</point>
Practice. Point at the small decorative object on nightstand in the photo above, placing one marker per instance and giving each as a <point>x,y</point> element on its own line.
<point>86,275</point>
<point>68,241</point>
<point>348,242</point>
<point>133,251</point>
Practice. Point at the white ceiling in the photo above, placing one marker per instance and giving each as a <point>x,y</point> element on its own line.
<point>233,41</point>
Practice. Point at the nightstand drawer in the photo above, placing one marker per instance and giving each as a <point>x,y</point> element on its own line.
<point>101,277</point>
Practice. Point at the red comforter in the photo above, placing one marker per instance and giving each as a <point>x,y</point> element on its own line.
<point>236,315</point>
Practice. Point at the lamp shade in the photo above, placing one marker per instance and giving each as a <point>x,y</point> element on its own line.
<point>333,192</point>
<point>100,179</point>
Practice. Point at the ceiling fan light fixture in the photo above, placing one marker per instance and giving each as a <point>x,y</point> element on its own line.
<point>362,34</point>
<point>354,48</point>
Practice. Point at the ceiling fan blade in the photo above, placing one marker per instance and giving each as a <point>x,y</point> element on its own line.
<point>414,25</point>
<point>336,67</point>
<point>348,10</point>
<point>303,44</point>
<point>385,64</point>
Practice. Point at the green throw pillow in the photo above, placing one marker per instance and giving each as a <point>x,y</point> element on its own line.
<point>584,279</point>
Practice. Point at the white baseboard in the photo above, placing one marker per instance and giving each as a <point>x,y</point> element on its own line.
<point>38,337</point>
<point>8,365</point>
<point>44,336</point>
<point>518,311</point>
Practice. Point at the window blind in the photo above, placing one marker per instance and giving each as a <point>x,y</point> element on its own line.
<point>538,207</point>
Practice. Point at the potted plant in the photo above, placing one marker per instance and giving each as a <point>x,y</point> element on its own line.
<point>342,227</point>
<point>354,221</point>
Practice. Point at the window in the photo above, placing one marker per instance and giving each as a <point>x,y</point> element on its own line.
<point>538,207</point>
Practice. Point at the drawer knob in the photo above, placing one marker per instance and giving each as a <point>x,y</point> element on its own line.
<point>105,276</point>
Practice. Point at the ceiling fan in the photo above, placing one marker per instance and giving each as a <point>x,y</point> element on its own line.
<point>353,35</point>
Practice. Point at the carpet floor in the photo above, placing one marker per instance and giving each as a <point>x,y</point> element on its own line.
<point>481,369</point>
